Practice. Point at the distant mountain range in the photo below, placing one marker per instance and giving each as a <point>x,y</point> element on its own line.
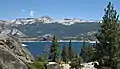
<point>46,19</point>
<point>36,27</point>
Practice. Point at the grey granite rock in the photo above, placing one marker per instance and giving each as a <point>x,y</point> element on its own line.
<point>12,54</point>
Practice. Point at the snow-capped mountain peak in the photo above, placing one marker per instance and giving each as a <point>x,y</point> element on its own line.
<point>45,19</point>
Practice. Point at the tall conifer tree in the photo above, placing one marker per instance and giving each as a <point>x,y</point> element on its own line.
<point>70,51</point>
<point>108,48</point>
<point>54,50</point>
<point>84,51</point>
<point>64,54</point>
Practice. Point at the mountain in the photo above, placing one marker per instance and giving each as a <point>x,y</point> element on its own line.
<point>60,30</point>
<point>36,27</point>
<point>47,19</point>
<point>6,27</point>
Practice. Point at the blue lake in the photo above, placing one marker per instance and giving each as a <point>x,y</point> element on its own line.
<point>37,48</point>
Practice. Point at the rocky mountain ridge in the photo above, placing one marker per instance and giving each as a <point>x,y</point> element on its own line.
<point>23,27</point>
<point>46,19</point>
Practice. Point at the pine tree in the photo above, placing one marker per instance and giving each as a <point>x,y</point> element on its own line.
<point>108,48</point>
<point>64,54</point>
<point>54,51</point>
<point>84,51</point>
<point>70,51</point>
<point>91,53</point>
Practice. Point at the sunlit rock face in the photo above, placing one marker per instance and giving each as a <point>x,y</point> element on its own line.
<point>12,54</point>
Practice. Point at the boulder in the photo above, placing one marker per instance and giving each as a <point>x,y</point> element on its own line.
<point>12,54</point>
<point>53,65</point>
<point>89,65</point>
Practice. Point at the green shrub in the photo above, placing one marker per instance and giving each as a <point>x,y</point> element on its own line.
<point>37,65</point>
<point>76,63</point>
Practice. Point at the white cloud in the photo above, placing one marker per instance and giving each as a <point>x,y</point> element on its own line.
<point>22,10</point>
<point>32,13</point>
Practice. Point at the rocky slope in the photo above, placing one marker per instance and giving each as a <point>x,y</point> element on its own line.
<point>12,54</point>
<point>7,27</point>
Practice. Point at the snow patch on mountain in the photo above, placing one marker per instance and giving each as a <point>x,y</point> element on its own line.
<point>47,19</point>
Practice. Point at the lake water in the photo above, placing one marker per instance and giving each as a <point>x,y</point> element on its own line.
<point>37,48</point>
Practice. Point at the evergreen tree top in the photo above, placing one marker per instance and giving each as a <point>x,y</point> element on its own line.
<point>110,14</point>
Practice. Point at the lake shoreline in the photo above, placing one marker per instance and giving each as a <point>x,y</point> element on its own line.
<point>64,41</point>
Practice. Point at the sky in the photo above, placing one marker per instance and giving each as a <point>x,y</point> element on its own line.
<point>56,9</point>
